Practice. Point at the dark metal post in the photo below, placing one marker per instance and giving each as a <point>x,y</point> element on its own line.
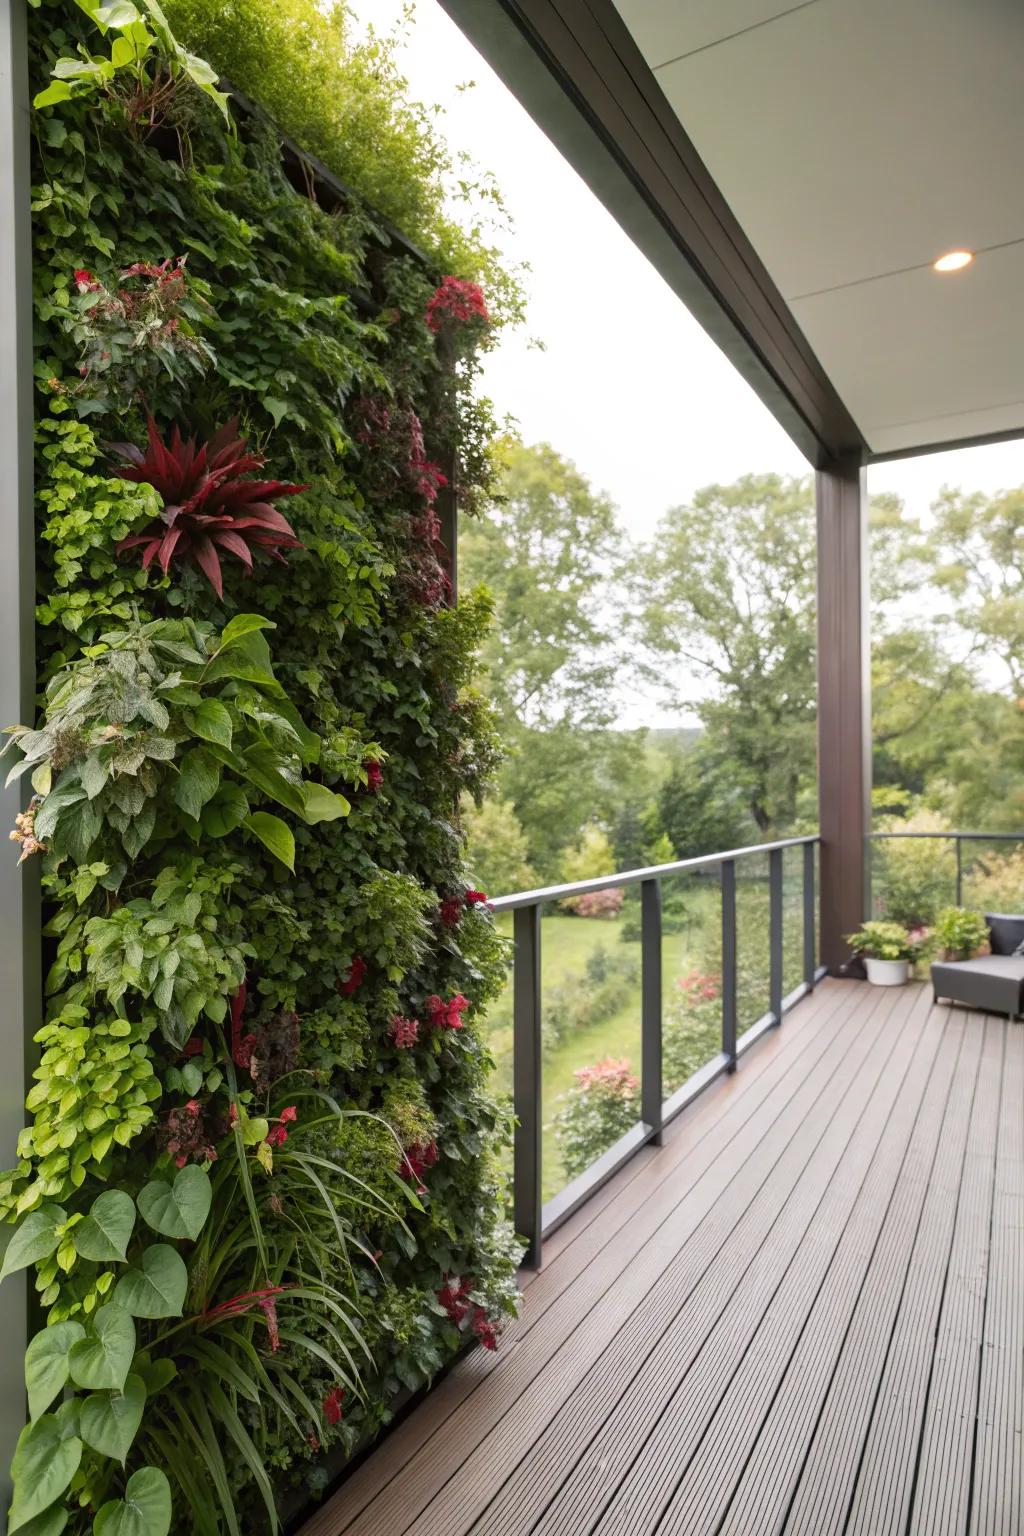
<point>844,705</point>
<point>775,934</point>
<point>959,869</point>
<point>729,961</point>
<point>810,956</point>
<point>20,954</point>
<point>526,1048</point>
<point>650,1018</point>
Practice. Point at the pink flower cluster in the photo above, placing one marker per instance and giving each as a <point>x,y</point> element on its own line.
<point>403,1032</point>
<point>278,1135</point>
<point>447,1015</point>
<point>453,1297</point>
<point>456,301</point>
<point>609,1076</point>
<point>698,988</point>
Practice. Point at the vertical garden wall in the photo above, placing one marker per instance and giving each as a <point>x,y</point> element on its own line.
<point>257,1192</point>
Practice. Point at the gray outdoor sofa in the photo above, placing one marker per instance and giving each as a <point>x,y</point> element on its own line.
<point>994,982</point>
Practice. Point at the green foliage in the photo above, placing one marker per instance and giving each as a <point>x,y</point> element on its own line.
<point>497,851</point>
<point>344,100</point>
<point>250,867</point>
<point>959,933</point>
<point>913,877</point>
<point>592,857</point>
<point>882,941</point>
<point>996,881</point>
<point>602,1106</point>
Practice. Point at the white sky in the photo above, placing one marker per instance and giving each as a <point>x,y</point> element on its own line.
<point>628,385</point>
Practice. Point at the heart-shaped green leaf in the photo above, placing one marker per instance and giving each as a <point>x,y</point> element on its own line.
<point>109,1421</point>
<point>156,1287</point>
<point>101,1361</point>
<point>322,804</point>
<point>197,781</point>
<point>145,1509</point>
<point>179,1209</point>
<point>106,1231</point>
<point>50,1523</point>
<point>226,811</point>
<point>243,624</point>
<point>35,1239</point>
<point>211,721</point>
<point>46,1364</point>
<point>45,1461</point>
<point>274,834</point>
<point>156,1374</point>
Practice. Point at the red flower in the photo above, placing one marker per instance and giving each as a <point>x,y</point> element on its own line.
<point>484,1329</point>
<point>456,300</point>
<point>277,1136</point>
<point>374,777</point>
<point>192,1106</point>
<point>289,1114</point>
<point>241,1045</point>
<point>403,1033</point>
<point>85,282</point>
<point>451,1296</point>
<point>356,976</point>
<point>475,899</point>
<point>211,506</point>
<point>447,1015</point>
<point>451,912</point>
<point>332,1404</point>
<point>419,1157</point>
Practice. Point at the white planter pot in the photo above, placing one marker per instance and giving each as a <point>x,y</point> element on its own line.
<point>887,973</point>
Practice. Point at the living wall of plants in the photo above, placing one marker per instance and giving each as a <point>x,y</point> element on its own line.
<point>257,1189</point>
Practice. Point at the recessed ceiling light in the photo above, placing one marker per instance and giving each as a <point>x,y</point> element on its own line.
<point>953,261</point>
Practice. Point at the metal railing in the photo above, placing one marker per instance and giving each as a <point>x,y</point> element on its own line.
<point>957,838</point>
<point>533,1219</point>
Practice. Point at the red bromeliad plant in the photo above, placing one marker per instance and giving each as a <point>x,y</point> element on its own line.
<point>211,505</point>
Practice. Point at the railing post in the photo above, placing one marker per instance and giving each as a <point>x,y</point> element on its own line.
<point>729,961</point>
<point>810,955</point>
<point>650,1007</point>
<point>775,934</point>
<point>959,869</point>
<point>526,1073</point>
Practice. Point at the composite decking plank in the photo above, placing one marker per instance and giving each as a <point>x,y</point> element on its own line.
<point>941,1495</point>
<point>768,1480</point>
<point>621,1385</point>
<point>679,1481</point>
<point>594,1268</point>
<point>660,1230</point>
<point>885,1473</point>
<point>828,1478</point>
<point>817,1292</point>
<point>997,1507</point>
<point>803,1036</point>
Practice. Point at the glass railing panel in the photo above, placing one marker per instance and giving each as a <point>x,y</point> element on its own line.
<point>691,975</point>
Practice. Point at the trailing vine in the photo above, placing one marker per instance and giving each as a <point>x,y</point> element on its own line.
<point>258,1189</point>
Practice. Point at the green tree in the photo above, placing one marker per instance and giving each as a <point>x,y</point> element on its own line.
<point>979,542</point>
<point>728,588</point>
<point>497,853</point>
<point>701,809</point>
<point>547,549</point>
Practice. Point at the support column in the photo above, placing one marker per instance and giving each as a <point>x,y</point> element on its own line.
<point>844,705</point>
<point>20,985</point>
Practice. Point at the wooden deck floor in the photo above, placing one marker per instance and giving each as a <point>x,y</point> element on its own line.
<point>803,1314</point>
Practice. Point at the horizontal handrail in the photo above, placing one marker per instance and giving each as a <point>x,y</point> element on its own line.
<point>949,837</point>
<point>533,1219</point>
<point>635,876</point>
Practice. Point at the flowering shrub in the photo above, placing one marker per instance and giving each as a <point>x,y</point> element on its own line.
<point>601,1106</point>
<point>456,303</point>
<point>260,1134</point>
<point>604,904</point>
<point>995,881</point>
<point>144,325</point>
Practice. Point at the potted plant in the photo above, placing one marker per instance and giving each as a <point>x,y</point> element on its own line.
<point>960,934</point>
<point>886,949</point>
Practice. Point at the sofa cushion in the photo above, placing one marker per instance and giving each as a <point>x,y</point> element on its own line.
<point>1007,932</point>
<point>994,982</point>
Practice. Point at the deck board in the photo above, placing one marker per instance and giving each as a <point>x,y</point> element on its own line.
<point>802,1314</point>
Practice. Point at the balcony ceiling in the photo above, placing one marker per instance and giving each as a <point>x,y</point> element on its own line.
<point>855,141</point>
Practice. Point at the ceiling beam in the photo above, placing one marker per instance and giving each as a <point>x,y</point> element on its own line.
<point>578,72</point>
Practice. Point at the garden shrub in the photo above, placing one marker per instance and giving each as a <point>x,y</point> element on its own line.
<point>995,881</point>
<point>259,1186</point>
<point>913,877</point>
<point>601,1106</point>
